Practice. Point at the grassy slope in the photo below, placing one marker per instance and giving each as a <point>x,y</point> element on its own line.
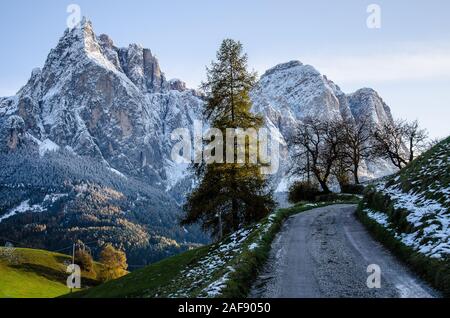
<point>29,273</point>
<point>409,212</point>
<point>429,174</point>
<point>224,269</point>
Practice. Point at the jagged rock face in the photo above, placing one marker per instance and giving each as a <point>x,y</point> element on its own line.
<point>109,103</point>
<point>289,92</point>
<point>14,132</point>
<point>367,102</point>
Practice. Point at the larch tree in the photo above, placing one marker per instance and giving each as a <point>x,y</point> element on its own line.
<point>232,193</point>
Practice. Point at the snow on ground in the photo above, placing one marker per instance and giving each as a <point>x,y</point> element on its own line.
<point>430,219</point>
<point>46,146</point>
<point>215,265</point>
<point>120,174</point>
<point>21,208</point>
<point>380,218</point>
<point>25,206</point>
<point>253,246</point>
<point>214,289</point>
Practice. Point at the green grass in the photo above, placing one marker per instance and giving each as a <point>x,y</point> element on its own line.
<point>152,280</point>
<point>171,277</point>
<point>430,171</point>
<point>30,273</point>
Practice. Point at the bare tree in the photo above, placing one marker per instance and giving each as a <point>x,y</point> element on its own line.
<point>416,139</point>
<point>357,145</point>
<point>400,142</point>
<point>316,146</point>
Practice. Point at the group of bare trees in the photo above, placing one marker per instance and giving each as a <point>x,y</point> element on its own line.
<point>338,147</point>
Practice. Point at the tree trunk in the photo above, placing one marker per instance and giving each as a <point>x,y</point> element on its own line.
<point>411,150</point>
<point>355,174</point>
<point>324,186</point>
<point>308,168</point>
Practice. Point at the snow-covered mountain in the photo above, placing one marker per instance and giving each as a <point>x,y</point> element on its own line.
<point>110,103</point>
<point>289,92</point>
<point>110,111</point>
<point>115,104</point>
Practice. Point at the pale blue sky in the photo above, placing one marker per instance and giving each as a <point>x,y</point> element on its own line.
<point>407,61</point>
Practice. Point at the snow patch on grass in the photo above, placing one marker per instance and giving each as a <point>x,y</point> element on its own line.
<point>380,218</point>
<point>430,219</point>
<point>215,265</point>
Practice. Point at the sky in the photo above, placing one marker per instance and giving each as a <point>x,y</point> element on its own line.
<point>406,58</point>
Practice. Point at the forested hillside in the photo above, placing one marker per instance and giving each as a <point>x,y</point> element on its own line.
<point>53,200</point>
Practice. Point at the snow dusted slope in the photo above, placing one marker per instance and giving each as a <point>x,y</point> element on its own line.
<point>110,103</point>
<point>415,203</point>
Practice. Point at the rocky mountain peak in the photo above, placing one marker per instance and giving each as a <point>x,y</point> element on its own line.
<point>177,84</point>
<point>367,102</point>
<point>113,104</point>
<point>292,91</point>
<point>281,67</point>
<point>142,68</point>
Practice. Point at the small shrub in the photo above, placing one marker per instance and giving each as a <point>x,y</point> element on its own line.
<point>352,188</point>
<point>303,191</point>
<point>327,197</point>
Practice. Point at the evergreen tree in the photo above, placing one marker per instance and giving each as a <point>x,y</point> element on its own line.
<point>232,193</point>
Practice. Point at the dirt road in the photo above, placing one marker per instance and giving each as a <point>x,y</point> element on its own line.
<point>325,252</point>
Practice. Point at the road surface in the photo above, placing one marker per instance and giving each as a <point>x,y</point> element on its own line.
<point>325,252</point>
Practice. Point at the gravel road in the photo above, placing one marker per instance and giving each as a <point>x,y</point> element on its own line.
<point>325,252</point>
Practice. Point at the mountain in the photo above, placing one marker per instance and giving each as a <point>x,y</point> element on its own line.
<point>85,144</point>
<point>366,102</point>
<point>289,92</point>
<point>104,102</point>
<point>109,111</point>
